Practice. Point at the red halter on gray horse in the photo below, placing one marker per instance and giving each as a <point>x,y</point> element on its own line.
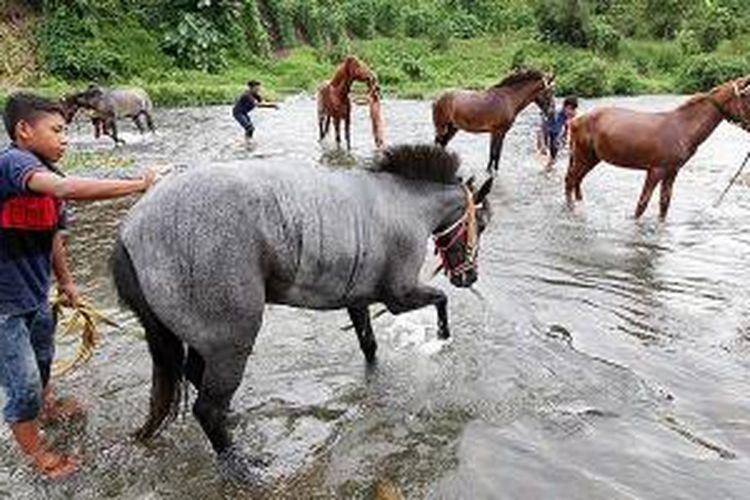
<point>660,143</point>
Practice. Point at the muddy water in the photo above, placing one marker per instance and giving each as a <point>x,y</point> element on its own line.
<point>607,358</point>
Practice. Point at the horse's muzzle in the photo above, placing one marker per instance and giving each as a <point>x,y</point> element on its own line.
<point>464,279</point>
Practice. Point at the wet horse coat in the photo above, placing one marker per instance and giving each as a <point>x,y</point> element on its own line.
<point>200,255</point>
<point>660,143</point>
<point>109,105</point>
<point>492,110</point>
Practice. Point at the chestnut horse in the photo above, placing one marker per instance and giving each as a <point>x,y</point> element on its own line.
<point>493,110</point>
<point>660,143</point>
<point>333,98</point>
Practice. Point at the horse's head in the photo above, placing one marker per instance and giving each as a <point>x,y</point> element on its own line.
<point>545,98</point>
<point>357,70</point>
<point>458,242</point>
<point>69,107</point>
<point>738,106</point>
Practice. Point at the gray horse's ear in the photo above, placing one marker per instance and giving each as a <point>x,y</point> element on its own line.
<point>483,191</point>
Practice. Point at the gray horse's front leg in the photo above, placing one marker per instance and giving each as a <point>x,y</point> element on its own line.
<point>360,317</point>
<point>420,297</point>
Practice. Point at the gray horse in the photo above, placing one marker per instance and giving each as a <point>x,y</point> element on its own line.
<point>199,256</point>
<point>108,105</point>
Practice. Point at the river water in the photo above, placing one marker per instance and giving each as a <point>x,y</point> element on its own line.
<point>605,358</point>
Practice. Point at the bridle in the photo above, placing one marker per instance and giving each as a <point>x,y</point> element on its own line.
<point>743,120</point>
<point>463,231</point>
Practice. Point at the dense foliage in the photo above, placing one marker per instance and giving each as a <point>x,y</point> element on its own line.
<point>595,46</point>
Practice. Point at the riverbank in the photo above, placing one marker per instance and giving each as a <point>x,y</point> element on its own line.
<point>414,68</point>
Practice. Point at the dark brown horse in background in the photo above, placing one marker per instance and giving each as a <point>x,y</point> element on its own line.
<point>660,143</point>
<point>493,110</point>
<point>333,98</point>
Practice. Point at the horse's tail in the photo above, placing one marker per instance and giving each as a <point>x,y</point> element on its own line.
<point>167,351</point>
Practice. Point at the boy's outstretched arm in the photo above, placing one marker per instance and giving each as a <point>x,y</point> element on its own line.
<point>81,188</point>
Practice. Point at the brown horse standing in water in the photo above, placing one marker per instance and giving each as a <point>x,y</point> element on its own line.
<point>333,98</point>
<point>660,143</point>
<point>493,110</point>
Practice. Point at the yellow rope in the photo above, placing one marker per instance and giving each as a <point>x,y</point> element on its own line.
<point>83,317</point>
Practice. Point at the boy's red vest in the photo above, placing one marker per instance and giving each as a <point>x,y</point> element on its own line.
<point>30,213</point>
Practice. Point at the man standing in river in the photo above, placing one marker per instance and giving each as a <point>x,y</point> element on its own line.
<point>249,100</point>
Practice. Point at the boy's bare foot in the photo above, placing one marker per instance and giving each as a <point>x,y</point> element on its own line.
<point>53,465</point>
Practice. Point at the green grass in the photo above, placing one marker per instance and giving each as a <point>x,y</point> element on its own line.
<point>413,68</point>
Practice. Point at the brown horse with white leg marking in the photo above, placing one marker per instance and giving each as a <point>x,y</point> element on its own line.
<point>333,98</point>
<point>493,110</point>
<point>660,143</point>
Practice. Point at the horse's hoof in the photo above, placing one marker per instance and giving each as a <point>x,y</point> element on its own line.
<point>444,334</point>
<point>236,465</point>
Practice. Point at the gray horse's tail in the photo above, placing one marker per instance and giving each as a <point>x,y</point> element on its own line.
<point>167,351</point>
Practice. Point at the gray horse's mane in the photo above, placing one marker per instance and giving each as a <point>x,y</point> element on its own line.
<point>419,162</point>
<point>520,76</point>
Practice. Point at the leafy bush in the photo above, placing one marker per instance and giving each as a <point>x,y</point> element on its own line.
<point>74,46</point>
<point>418,21</point>
<point>465,25</point>
<point>624,81</point>
<point>563,21</point>
<point>389,17</point>
<point>196,43</point>
<point>603,37</point>
<point>586,79</point>
<point>702,72</point>
<point>360,18</point>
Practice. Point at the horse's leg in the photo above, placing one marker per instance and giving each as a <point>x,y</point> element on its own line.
<point>496,149</point>
<point>194,367</point>
<point>348,131</point>
<point>222,373</point>
<point>583,172</point>
<point>418,298</point>
<point>666,193</point>
<point>449,130</point>
<point>337,128</point>
<point>111,127</point>
<point>496,140</point>
<point>137,120</point>
<point>655,174</point>
<point>360,317</point>
<point>149,121</point>
<point>321,125</point>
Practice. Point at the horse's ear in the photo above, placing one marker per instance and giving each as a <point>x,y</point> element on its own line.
<point>483,191</point>
<point>470,183</point>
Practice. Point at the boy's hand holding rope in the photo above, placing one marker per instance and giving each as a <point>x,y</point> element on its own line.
<point>84,317</point>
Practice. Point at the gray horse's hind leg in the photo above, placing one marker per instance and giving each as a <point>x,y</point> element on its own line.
<point>420,297</point>
<point>149,121</point>
<point>224,358</point>
<point>137,120</point>
<point>360,317</point>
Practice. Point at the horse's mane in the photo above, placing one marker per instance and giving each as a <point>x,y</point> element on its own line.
<point>419,162</point>
<point>520,76</point>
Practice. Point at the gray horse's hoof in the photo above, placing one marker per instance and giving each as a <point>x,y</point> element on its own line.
<point>236,465</point>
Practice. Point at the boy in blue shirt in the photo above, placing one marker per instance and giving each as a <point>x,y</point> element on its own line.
<point>31,247</point>
<point>555,129</point>
<point>249,100</point>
